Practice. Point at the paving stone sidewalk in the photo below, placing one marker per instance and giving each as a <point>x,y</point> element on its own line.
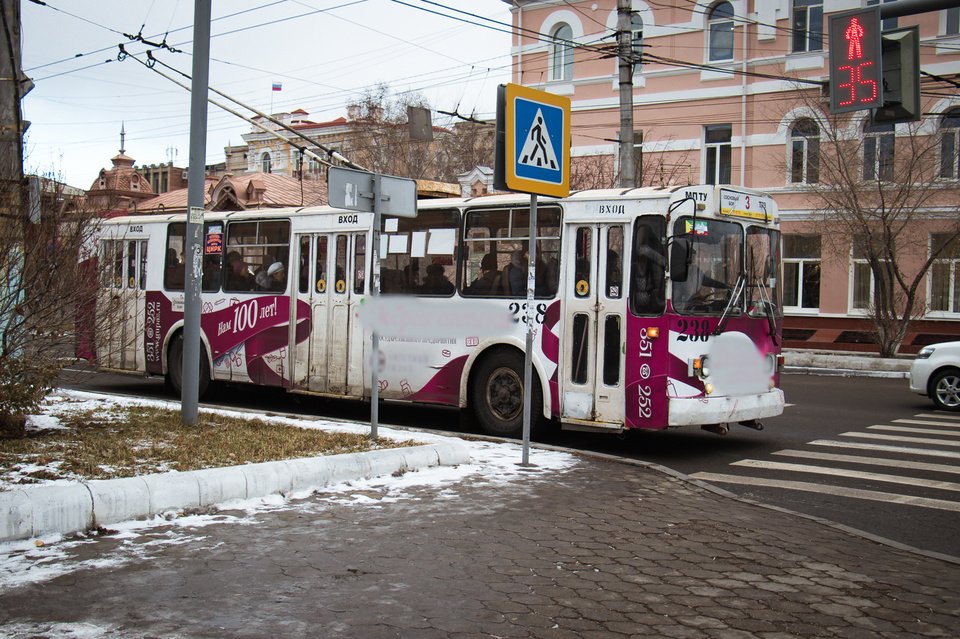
<point>602,550</point>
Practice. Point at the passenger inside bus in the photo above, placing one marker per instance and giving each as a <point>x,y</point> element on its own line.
<point>239,277</point>
<point>436,282</point>
<point>274,278</point>
<point>515,274</point>
<point>487,283</point>
<point>173,276</point>
<point>211,273</point>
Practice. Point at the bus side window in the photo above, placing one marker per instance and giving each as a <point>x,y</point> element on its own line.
<point>420,253</point>
<point>174,269</point>
<point>359,262</point>
<point>647,266</point>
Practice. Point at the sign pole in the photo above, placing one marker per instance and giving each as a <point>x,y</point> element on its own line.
<point>375,293</point>
<point>530,315</point>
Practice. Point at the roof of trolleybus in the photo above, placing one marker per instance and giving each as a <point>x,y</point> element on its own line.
<point>638,194</point>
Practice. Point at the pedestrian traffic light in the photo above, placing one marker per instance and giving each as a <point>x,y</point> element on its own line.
<point>855,60</point>
<point>901,76</point>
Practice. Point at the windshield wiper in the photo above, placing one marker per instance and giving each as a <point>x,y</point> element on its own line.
<point>734,296</point>
<point>768,311</point>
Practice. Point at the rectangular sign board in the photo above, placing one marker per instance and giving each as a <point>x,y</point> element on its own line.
<point>536,141</point>
<point>354,190</point>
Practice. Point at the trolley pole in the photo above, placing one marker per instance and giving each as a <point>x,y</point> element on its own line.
<point>531,315</point>
<point>193,252</point>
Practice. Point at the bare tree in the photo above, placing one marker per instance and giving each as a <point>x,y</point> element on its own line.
<point>463,146</point>
<point>872,186</point>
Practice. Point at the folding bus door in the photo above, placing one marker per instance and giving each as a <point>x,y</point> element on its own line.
<point>592,361</point>
<point>326,362</point>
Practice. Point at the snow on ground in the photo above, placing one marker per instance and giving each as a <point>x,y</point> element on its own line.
<point>39,560</point>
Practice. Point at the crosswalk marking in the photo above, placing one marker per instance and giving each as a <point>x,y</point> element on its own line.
<point>871,461</point>
<point>939,416</point>
<point>886,448</point>
<point>898,438</point>
<point>853,474</point>
<point>839,491</point>
<point>923,422</point>
<point>919,431</point>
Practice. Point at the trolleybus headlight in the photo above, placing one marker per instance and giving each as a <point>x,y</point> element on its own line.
<point>653,332</point>
<point>708,388</point>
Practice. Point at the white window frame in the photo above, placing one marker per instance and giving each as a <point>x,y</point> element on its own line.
<point>807,40</point>
<point>266,161</point>
<point>804,141</point>
<point>716,148</point>
<point>561,54</point>
<point>802,263</point>
<point>854,262</point>
<point>876,139</point>
<point>950,133</point>
<point>720,22</point>
<point>953,285</point>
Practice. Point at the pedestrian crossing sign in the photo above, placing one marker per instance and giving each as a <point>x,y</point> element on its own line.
<point>536,153</point>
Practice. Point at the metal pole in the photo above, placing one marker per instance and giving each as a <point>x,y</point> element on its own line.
<point>531,315</point>
<point>628,177</point>
<point>913,7</point>
<point>195,191</point>
<point>375,293</point>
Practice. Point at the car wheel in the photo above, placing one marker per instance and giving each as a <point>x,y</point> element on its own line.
<point>175,367</point>
<point>945,390</point>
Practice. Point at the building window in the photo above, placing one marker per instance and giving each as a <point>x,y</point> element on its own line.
<point>807,25</point>
<point>561,53</point>
<point>950,145</point>
<point>887,23</point>
<point>878,149</point>
<point>636,40</point>
<point>864,282</point>
<point>801,271</point>
<point>266,163</point>
<point>951,24</point>
<point>720,28</point>
<point>718,152</point>
<point>945,274</point>
<point>805,152</point>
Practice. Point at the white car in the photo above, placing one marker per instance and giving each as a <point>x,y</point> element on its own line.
<point>936,374</point>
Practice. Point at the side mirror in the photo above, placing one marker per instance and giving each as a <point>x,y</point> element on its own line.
<point>680,258</point>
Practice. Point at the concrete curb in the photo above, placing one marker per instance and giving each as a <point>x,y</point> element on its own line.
<point>63,509</point>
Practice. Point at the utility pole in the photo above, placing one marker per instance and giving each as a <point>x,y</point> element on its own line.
<point>625,55</point>
<point>11,122</point>
<point>193,252</point>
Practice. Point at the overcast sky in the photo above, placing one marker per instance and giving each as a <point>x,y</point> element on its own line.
<point>324,52</point>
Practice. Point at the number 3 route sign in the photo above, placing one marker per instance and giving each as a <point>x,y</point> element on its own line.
<point>537,141</point>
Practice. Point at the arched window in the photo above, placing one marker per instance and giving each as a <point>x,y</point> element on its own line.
<point>636,39</point>
<point>950,145</point>
<point>878,148</point>
<point>805,152</point>
<point>266,163</point>
<point>561,53</point>
<point>720,27</point>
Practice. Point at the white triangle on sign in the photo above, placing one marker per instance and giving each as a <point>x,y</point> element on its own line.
<point>537,149</point>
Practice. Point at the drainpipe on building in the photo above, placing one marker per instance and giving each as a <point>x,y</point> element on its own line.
<point>625,55</point>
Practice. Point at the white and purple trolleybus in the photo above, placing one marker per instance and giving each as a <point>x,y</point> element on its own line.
<point>654,307</point>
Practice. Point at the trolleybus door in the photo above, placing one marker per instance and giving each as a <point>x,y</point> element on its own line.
<point>326,283</point>
<point>123,304</point>
<point>595,315</point>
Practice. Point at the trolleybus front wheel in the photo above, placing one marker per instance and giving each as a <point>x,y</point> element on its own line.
<point>175,367</point>
<point>496,395</point>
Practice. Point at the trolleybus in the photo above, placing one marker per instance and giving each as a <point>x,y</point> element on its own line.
<point>654,307</point>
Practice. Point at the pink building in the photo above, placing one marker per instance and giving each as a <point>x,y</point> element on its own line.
<point>731,92</point>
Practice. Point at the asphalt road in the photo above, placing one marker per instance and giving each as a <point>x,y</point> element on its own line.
<point>839,451</point>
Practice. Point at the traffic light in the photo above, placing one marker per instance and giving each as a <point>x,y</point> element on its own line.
<point>855,60</point>
<point>901,76</point>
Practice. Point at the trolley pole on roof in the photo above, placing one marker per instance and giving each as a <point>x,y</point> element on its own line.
<point>193,251</point>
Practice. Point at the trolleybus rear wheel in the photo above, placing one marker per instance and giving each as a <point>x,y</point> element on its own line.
<point>175,367</point>
<point>497,395</point>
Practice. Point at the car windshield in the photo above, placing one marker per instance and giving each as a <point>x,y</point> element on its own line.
<point>705,264</point>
